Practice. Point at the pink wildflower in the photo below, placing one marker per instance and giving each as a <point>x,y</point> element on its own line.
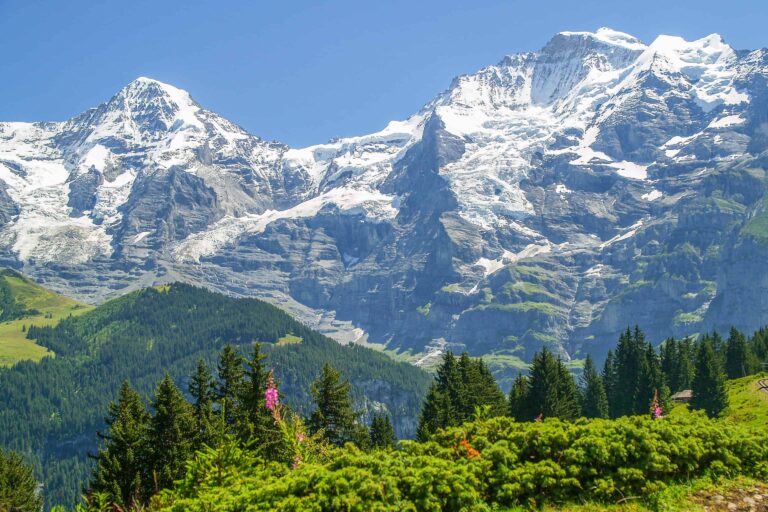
<point>296,461</point>
<point>658,412</point>
<point>270,395</point>
<point>300,436</point>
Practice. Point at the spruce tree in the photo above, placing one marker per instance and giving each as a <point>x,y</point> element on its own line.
<point>257,423</point>
<point>518,404</point>
<point>553,391</point>
<point>462,386</point>
<point>382,433</point>
<point>203,391</point>
<point>709,391</point>
<point>479,389</point>
<point>595,402</point>
<point>609,378</point>
<point>230,386</point>
<point>333,415</point>
<point>121,463</point>
<point>736,355</point>
<point>431,418</point>
<point>18,487</point>
<point>171,434</point>
<point>686,353</point>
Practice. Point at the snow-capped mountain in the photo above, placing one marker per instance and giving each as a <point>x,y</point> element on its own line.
<point>554,197</point>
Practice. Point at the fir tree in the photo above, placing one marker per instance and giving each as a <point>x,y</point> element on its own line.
<point>382,433</point>
<point>121,463</point>
<point>686,353</point>
<point>432,413</point>
<point>595,402</point>
<point>462,386</point>
<point>609,378</point>
<point>519,408</point>
<point>230,385</point>
<point>203,391</point>
<point>736,355</point>
<point>709,383</point>
<point>18,488</point>
<point>552,389</point>
<point>171,434</point>
<point>259,424</point>
<point>333,415</point>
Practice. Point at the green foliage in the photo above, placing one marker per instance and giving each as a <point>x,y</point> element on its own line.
<point>119,474</point>
<point>461,386</point>
<point>171,434</point>
<point>382,433</point>
<point>738,361</point>
<point>50,411</point>
<point>595,401</point>
<point>18,487</point>
<point>487,465</point>
<point>333,417</point>
<point>709,391</point>
<point>551,390</point>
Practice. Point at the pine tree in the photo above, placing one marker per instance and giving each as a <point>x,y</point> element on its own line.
<point>553,391</point>
<point>478,388</point>
<point>203,390</point>
<point>609,383</point>
<point>18,487</point>
<point>686,353</point>
<point>333,415</point>
<point>595,402</point>
<point>257,423</point>
<point>462,386</point>
<point>171,434</point>
<point>431,418</point>
<point>230,385</point>
<point>121,463</point>
<point>382,433</point>
<point>670,362</point>
<point>736,355</point>
<point>709,391</point>
<point>519,408</point>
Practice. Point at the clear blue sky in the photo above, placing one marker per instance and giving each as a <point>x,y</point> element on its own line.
<point>303,72</point>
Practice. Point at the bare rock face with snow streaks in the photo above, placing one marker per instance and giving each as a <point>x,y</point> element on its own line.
<point>552,198</point>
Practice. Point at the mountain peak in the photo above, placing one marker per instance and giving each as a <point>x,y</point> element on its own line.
<point>605,35</point>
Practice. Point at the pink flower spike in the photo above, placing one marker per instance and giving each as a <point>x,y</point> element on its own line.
<point>271,399</point>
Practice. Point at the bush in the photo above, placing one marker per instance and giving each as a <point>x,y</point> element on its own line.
<point>482,466</point>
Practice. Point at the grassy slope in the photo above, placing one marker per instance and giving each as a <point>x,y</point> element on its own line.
<point>14,345</point>
<point>748,405</point>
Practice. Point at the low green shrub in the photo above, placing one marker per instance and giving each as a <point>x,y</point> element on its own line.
<point>486,465</point>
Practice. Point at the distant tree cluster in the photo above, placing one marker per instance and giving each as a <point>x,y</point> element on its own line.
<point>50,411</point>
<point>636,379</point>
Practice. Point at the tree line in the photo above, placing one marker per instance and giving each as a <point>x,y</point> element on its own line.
<point>636,379</point>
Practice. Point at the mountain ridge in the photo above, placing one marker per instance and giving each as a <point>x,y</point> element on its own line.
<point>550,198</point>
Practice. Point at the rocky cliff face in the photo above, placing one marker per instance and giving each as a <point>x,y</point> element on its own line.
<point>552,198</point>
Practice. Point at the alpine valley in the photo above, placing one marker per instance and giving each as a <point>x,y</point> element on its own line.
<point>545,199</point>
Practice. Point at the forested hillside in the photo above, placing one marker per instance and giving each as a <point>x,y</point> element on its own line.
<point>50,411</point>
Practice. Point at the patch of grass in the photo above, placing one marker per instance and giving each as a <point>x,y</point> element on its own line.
<point>757,226</point>
<point>289,339</point>
<point>527,288</point>
<point>748,404</point>
<point>425,309</point>
<point>728,205</point>
<point>451,288</point>
<point>51,307</point>
<point>523,307</point>
<point>687,318</point>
